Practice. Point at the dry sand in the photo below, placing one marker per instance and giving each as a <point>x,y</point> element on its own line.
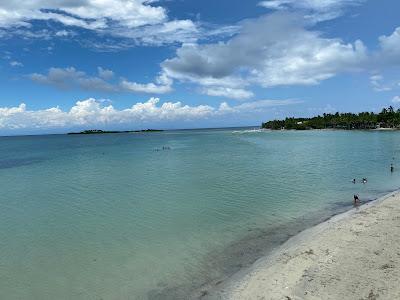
<point>355,255</point>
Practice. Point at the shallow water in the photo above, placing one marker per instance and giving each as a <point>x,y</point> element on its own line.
<point>117,217</point>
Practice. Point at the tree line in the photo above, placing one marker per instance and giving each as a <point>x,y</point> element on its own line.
<point>387,118</point>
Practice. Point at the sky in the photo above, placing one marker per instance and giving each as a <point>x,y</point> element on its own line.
<point>68,65</point>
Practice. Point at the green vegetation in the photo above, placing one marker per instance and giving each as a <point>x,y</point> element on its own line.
<point>97,131</point>
<point>387,118</point>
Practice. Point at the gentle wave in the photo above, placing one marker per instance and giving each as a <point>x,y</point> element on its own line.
<point>250,131</point>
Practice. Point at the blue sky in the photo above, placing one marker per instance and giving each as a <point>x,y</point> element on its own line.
<point>131,64</point>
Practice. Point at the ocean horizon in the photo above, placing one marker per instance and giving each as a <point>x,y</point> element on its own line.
<point>126,130</point>
<point>162,215</point>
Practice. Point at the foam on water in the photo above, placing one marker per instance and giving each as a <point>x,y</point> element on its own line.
<point>254,130</point>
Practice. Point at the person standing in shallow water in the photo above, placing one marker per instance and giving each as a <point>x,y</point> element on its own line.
<point>356,199</point>
<point>391,168</point>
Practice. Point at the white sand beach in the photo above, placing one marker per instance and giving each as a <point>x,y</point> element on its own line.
<point>355,255</point>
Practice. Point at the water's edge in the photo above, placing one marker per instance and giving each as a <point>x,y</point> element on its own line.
<point>213,289</point>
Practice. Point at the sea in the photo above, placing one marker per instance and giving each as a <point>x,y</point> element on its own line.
<point>169,215</point>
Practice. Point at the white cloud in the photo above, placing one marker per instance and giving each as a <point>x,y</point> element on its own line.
<point>65,33</point>
<point>396,99</point>
<point>91,113</point>
<point>273,50</point>
<point>280,49</point>
<point>89,14</point>
<point>379,85</point>
<point>128,22</point>
<point>385,57</point>
<point>176,31</point>
<point>139,20</point>
<point>227,92</point>
<point>70,77</point>
<point>163,85</point>
<point>104,73</point>
<point>254,106</point>
<point>389,48</point>
<point>318,10</point>
<point>15,63</point>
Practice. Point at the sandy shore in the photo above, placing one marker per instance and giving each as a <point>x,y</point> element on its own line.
<point>355,255</point>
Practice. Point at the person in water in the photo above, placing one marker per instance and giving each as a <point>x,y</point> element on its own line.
<point>354,181</point>
<point>356,199</point>
<point>391,168</point>
<point>364,180</point>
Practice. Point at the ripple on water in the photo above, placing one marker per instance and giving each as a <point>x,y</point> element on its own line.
<point>19,162</point>
<point>137,224</point>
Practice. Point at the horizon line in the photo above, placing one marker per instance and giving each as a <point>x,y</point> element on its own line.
<point>125,131</point>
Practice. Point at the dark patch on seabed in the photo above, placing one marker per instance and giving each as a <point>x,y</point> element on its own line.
<point>219,266</point>
<point>18,162</point>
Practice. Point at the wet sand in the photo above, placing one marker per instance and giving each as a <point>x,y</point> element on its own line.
<point>355,255</point>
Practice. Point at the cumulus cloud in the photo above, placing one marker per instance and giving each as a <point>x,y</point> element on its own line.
<point>389,48</point>
<point>70,77</point>
<point>279,49</point>
<point>273,50</point>
<point>92,113</point>
<point>319,10</point>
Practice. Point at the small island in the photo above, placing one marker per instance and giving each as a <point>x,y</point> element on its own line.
<point>387,119</point>
<point>97,131</point>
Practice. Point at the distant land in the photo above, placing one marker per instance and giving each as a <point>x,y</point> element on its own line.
<point>97,131</point>
<point>388,118</point>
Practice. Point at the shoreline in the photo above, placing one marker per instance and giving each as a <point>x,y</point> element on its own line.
<point>291,270</point>
<point>335,129</point>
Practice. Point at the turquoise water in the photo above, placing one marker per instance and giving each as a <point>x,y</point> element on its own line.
<point>110,217</point>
